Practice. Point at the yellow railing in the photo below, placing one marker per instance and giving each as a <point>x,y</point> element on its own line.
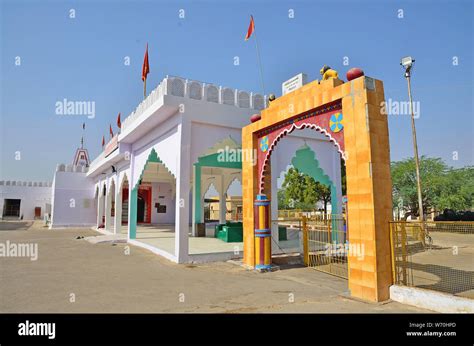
<point>324,244</point>
<point>311,214</point>
<point>434,255</point>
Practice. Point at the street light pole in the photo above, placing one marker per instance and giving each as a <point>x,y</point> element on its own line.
<point>415,145</point>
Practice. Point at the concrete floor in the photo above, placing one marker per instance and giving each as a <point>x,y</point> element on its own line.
<point>73,275</point>
<point>162,237</point>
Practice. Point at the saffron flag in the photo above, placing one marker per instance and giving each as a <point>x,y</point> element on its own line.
<point>119,123</point>
<point>250,29</point>
<point>110,130</point>
<point>103,141</point>
<point>146,66</point>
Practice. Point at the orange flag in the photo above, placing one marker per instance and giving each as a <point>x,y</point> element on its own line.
<point>110,130</point>
<point>146,66</point>
<point>103,141</point>
<point>250,29</point>
<point>119,123</point>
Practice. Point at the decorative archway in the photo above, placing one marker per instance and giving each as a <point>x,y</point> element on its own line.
<point>320,119</point>
<point>305,161</point>
<point>223,155</point>
<point>349,114</point>
<point>133,200</point>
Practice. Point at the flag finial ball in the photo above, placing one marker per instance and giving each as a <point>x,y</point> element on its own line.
<point>354,73</point>
<point>255,117</point>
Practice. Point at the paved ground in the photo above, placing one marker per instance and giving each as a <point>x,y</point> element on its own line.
<point>103,278</point>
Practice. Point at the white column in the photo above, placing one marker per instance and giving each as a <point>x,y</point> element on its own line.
<point>100,205</point>
<point>274,202</point>
<point>183,175</point>
<point>118,208</point>
<point>108,210</point>
<point>336,164</point>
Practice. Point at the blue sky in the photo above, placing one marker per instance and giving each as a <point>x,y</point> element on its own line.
<point>83,59</point>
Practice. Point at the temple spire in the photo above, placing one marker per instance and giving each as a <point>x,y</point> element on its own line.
<point>81,158</point>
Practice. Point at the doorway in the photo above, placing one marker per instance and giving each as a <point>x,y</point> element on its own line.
<point>140,209</point>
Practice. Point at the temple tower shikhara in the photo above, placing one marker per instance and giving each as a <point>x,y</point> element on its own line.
<point>350,115</point>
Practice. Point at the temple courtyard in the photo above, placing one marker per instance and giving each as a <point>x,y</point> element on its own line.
<point>75,275</point>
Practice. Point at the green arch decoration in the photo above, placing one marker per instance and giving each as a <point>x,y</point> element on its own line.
<point>306,162</point>
<point>152,157</point>
<point>211,160</point>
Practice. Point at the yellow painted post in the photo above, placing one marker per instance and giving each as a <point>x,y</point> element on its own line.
<point>305,241</point>
<point>392,250</point>
<point>329,232</point>
<point>404,253</point>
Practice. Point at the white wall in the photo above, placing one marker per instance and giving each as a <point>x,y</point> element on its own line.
<point>164,190</point>
<point>30,196</point>
<point>166,143</point>
<point>205,136</point>
<point>73,201</point>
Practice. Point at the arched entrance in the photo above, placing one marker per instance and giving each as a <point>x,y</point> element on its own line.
<point>140,209</point>
<point>349,114</point>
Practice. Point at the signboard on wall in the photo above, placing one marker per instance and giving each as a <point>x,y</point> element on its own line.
<point>294,83</point>
<point>111,146</point>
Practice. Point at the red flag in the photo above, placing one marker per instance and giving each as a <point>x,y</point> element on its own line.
<point>119,123</point>
<point>103,141</point>
<point>250,29</point>
<point>110,130</point>
<point>146,66</point>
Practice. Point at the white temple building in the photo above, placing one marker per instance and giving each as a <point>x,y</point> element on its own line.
<point>148,185</point>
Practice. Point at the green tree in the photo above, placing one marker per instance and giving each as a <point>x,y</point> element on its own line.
<point>282,202</point>
<point>442,186</point>
<point>300,191</point>
<point>457,191</point>
<point>323,194</point>
<point>343,177</point>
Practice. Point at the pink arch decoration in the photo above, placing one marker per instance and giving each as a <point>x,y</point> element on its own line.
<point>317,118</point>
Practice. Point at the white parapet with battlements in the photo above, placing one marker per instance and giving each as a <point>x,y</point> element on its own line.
<point>181,87</point>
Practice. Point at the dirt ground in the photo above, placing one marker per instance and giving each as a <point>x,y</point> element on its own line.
<point>73,275</point>
<point>447,266</point>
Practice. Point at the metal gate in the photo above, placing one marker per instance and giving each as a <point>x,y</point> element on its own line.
<point>325,244</point>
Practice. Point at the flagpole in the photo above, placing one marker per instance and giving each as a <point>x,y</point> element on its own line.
<point>258,59</point>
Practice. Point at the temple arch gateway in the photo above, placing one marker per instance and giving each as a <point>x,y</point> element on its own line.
<point>350,115</point>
